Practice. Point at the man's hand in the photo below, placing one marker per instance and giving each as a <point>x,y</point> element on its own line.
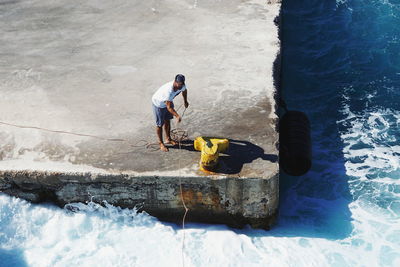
<point>178,119</point>
<point>184,94</point>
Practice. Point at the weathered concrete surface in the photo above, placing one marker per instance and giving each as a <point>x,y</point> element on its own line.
<point>234,201</point>
<point>91,67</point>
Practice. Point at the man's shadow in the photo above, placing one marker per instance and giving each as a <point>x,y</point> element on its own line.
<point>239,153</point>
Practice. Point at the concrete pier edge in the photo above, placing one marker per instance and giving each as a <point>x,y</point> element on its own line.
<point>232,200</point>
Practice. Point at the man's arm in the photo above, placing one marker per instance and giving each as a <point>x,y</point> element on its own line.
<point>184,94</point>
<point>172,110</point>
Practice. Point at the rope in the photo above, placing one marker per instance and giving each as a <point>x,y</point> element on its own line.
<point>60,131</point>
<point>176,133</point>
<point>183,222</point>
<point>181,135</point>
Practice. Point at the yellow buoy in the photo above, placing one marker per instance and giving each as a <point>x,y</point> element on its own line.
<point>210,148</point>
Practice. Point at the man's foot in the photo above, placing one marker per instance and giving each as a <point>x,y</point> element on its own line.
<point>163,148</point>
<point>170,141</point>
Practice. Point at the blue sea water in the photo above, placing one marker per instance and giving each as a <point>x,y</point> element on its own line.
<point>341,66</point>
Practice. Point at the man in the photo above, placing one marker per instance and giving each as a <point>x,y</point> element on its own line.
<point>163,108</point>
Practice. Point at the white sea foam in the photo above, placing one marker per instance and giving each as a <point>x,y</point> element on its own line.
<point>86,234</point>
<point>373,165</point>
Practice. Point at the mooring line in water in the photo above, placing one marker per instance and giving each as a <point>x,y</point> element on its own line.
<point>180,138</point>
<point>183,222</point>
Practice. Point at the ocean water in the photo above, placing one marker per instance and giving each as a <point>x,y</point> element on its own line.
<point>341,65</point>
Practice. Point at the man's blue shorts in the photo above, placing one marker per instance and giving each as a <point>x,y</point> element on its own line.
<point>162,114</point>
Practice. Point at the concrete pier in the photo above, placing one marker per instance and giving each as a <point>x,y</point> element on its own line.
<point>76,86</point>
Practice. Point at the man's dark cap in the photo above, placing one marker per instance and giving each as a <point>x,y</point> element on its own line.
<point>180,78</point>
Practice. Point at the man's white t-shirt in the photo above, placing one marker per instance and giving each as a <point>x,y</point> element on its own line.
<point>165,93</point>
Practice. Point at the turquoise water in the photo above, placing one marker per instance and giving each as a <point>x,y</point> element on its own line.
<point>341,65</point>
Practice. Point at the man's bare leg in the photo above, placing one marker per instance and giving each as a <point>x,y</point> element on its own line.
<point>167,128</point>
<point>160,139</point>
